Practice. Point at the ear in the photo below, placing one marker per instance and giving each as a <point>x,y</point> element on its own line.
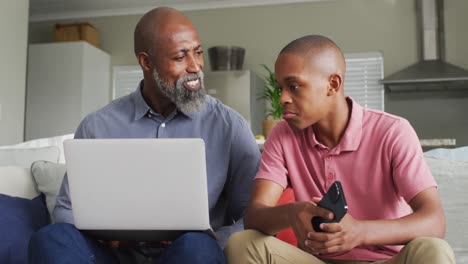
<point>144,61</point>
<point>335,82</point>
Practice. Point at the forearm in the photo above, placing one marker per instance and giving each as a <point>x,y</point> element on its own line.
<point>426,222</point>
<point>269,220</point>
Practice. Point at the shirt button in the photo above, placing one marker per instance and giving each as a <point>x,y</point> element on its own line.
<point>163,125</point>
<point>330,175</point>
<point>328,157</point>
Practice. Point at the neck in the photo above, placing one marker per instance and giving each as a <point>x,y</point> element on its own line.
<point>330,130</point>
<point>156,100</point>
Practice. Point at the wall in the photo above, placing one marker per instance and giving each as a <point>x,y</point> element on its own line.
<point>440,114</point>
<point>356,25</point>
<point>13,50</point>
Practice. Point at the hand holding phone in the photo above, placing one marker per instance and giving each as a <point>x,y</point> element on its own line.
<point>334,201</point>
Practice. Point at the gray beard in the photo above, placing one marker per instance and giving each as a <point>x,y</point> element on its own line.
<point>185,100</point>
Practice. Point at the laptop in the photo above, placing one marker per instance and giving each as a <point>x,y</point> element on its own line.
<point>138,189</point>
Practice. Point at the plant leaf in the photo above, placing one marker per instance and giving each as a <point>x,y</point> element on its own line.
<point>272,93</point>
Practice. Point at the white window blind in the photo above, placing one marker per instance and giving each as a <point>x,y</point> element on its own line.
<point>362,79</point>
<point>126,80</point>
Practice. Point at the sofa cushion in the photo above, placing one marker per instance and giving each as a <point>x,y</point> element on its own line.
<point>460,154</point>
<point>20,219</point>
<point>48,177</point>
<point>17,181</point>
<point>452,179</point>
<point>24,157</point>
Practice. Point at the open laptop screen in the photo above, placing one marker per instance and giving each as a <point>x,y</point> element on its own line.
<point>138,189</point>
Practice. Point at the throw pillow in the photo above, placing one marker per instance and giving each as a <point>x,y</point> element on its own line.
<point>20,219</point>
<point>48,177</point>
<point>452,178</point>
<point>287,235</point>
<point>24,157</point>
<point>17,181</point>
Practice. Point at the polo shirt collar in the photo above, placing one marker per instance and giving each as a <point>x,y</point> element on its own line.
<point>352,135</point>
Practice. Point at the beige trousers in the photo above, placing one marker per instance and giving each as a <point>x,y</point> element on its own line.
<point>251,246</point>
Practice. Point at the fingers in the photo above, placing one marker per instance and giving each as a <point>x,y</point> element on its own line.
<point>317,250</point>
<point>322,212</point>
<point>316,200</point>
<point>332,245</point>
<point>324,242</point>
<point>328,228</point>
<point>311,247</point>
<point>331,227</point>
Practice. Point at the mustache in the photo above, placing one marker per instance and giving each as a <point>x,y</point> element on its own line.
<point>191,77</point>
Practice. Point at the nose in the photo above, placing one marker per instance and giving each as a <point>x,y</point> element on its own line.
<point>194,63</point>
<point>285,97</point>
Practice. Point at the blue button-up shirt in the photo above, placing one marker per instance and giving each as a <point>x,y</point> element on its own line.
<point>232,155</point>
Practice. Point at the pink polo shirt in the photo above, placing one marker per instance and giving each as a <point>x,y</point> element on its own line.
<point>379,162</point>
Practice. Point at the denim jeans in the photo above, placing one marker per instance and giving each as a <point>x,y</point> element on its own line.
<point>63,243</point>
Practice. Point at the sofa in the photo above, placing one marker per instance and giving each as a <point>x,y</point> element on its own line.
<point>31,174</point>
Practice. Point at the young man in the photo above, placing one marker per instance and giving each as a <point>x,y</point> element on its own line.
<point>390,192</point>
<point>169,103</point>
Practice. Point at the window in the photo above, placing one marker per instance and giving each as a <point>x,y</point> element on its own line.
<point>362,79</point>
<point>126,79</point>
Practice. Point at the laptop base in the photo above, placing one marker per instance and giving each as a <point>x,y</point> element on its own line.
<point>137,235</point>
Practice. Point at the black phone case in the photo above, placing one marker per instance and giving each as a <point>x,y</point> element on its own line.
<point>334,201</point>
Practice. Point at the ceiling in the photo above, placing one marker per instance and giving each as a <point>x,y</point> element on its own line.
<point>42,10</point>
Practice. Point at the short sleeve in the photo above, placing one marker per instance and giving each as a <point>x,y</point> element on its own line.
<point>411,174</point>
<point>272,165</point>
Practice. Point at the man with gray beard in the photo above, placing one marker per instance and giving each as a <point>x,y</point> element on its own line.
<point>170,102</point>
<point>186,100</point>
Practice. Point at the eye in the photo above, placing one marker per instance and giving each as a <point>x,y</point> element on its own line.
<point>179,58</point>
<point>200,52</point>
<point>293,87</point>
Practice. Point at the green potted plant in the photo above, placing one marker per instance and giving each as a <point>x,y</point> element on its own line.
<point>272,94</point>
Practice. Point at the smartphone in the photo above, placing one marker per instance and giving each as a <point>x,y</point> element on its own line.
<point>334,201</point>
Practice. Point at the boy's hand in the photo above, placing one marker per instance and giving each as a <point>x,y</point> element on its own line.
<point>338,237</point>
<point>299,218</point>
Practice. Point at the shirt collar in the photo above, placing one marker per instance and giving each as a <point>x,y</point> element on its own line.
<point>142,109</point>
<point>352,135</point>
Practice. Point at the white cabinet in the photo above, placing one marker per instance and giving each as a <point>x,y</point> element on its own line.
<point>241,91</point>
<point>65,82</point>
